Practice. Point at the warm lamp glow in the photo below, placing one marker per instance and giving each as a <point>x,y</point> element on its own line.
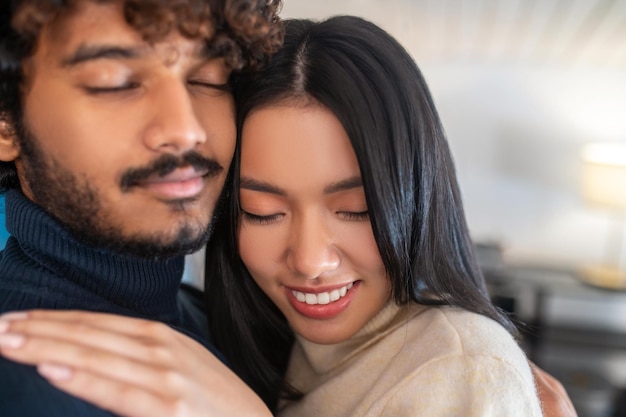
<point>604,174</point>
<point>604,183</point>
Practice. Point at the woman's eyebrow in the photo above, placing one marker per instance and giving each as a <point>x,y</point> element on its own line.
<point>343,185</point>
<point>265,187</point>
<point>261,186</point>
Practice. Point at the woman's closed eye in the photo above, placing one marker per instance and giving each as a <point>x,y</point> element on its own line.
<point>354,215</point>
<point>260,219</point>
<point>210,85</point>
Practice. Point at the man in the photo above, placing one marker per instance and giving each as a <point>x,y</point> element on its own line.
<point>116,133</point>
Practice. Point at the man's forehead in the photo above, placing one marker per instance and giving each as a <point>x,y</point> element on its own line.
<point>169,51</point>
<point>99,30</point>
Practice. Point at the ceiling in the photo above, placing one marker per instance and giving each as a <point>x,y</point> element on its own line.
<point>588,33</point>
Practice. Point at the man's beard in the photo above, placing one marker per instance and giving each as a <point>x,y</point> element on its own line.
<point>77,205</point>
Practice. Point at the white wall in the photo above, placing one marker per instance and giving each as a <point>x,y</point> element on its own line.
<point>516,135</point>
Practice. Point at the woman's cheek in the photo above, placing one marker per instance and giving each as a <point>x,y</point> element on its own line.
<point>257,250</point>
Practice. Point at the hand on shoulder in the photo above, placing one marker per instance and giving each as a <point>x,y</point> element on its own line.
<point>128,366</point>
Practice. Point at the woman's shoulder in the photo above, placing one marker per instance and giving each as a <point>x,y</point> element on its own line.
<point>461,332</point>
<point>466,324</point>
<point>463,362</point>
<point>474,329</point>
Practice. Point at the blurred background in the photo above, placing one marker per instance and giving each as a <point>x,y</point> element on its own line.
<point>523,87</point>
<point>532,94</point>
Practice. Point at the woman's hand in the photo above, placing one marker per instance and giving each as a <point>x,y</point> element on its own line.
<point>132,367</point>
<point>554,399</point>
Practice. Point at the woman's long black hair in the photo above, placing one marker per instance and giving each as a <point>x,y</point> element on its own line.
<point>372,85</point>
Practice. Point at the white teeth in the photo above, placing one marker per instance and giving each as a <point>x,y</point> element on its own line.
<point>310,298</point>
<point>323,297</point>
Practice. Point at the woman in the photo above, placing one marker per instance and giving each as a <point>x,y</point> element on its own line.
<point>345,222</point>
<point>350,220</point>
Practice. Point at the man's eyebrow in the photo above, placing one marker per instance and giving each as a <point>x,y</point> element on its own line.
<point>261,186</point>
<point>347,184</point>
<point>93,52</point>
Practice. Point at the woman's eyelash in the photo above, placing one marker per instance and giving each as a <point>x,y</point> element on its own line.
<point>255,218</point>
<point>258,219</point>
<point>220,87</point>
<point>355,215</point>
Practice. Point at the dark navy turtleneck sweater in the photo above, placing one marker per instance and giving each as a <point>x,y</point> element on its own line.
<point>43,266</point>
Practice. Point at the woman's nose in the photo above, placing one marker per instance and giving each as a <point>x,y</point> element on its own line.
<point>312,251</point>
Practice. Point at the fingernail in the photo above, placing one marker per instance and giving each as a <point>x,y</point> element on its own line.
<point>10,340</point>
<point>56,372</point>
<point>14,315</point>
<point>7,318</point>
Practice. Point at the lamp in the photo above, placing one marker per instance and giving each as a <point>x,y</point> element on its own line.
<point>604,184</point>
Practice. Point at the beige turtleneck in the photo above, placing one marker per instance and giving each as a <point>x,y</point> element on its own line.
<point>415,361</point>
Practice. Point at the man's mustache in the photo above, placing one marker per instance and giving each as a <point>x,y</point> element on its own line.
<point>168,163</point>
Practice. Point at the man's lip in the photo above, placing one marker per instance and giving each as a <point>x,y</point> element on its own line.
<point>178,175</point>
<point>180,184</point>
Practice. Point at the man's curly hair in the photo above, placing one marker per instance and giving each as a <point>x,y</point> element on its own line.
<point>245,32</point>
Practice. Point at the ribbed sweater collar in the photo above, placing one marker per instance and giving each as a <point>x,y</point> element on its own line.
<point>324,358</point>
<point>143,286</point>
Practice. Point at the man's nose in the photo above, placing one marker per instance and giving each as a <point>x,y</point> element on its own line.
<point>174,126</point>
<point>312,251</point>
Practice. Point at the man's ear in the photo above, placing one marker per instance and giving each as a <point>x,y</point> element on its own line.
<point>9,147</point>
